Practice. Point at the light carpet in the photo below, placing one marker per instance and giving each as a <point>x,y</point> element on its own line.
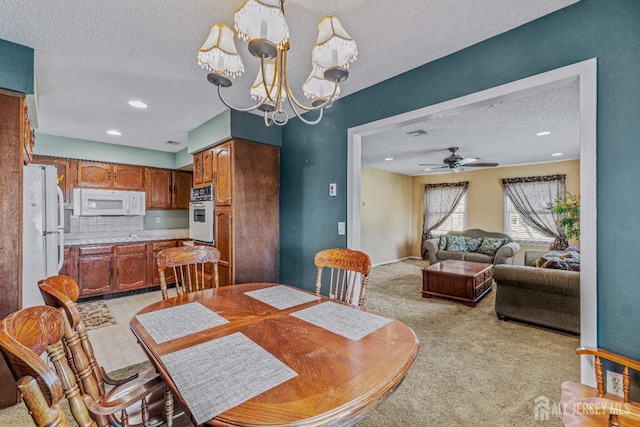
<point>472,369</point>
<point>96,315</point>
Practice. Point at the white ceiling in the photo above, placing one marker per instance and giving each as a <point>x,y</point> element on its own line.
<point>94,56</point>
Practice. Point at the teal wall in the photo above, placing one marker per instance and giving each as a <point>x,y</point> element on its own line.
<point>184,160</point>
<point>51,145</point>
<point>313,156</point>
<point>16,67</point>
<point>214,130</point>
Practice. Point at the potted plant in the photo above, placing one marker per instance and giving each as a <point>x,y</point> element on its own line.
<point>569,211</point>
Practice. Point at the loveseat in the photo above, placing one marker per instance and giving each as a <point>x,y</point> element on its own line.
<point>542,296</point>
<point>481,249</point>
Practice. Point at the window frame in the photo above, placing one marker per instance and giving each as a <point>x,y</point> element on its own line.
<point>507,228</point>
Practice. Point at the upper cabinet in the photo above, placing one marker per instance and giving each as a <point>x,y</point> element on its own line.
<point>222,171</point>
<point>67,169</point>
<point>110,176</point>
<point>167,189</point>
<point>203,167</point>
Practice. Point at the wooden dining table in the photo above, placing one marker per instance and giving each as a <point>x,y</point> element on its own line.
<point>262,354</point>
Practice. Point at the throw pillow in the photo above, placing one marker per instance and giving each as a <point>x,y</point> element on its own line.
<point>443,242</point>
<point>456,243</point>
<point>472,243</point>
<point>491,245</point>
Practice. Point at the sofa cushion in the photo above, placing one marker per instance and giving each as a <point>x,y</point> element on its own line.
<point>477,257</point>
<point>472,244</point>
<point>491,245</point>
<point>458,255</point>
<point>559,260</point>
<point>443,242</point>
<point>456,243</point>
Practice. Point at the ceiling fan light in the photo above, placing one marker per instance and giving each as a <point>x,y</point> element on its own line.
<point>219,54</point>
<point>316,87</point>
<point>334,46</point>
<point>262,19</point>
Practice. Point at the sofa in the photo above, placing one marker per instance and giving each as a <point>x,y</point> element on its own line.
<point>505,254</point>
<point>542,296</point>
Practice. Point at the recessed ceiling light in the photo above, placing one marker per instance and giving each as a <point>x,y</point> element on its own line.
<point>556,154</point>
<point>545,133</point>
<point>388,159</point>
<point>114,132</point>
<point>138,104</point>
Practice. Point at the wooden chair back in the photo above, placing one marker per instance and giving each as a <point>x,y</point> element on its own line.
<point>188,264</point>
<point>61,292</point>
<point>24,336</point>
<point>588,406</point>
<point>349,270</point>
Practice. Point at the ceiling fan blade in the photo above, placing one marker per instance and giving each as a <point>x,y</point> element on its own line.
<point>429,164</point>
<point>467,161</point>
<point>482,165</point>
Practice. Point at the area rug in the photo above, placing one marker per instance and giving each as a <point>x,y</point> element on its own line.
<point>96,315</point>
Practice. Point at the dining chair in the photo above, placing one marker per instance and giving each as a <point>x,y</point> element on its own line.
<point>61,292</point>
<point>349,270</point>
<point>584,405</point>
<point>188,264</point>
<point>25,336</point>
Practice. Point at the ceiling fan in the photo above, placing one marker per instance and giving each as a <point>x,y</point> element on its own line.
<point>457,163</point>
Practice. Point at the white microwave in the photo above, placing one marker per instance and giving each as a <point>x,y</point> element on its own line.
<point>90,202</point>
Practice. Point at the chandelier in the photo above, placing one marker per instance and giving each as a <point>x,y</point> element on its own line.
<point>263,24</point>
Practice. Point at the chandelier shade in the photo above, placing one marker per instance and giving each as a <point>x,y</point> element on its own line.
<point>262,19</point>
<point>334,47</point>
<point>219,53</point>
<point>261,23</point>
<point>317,87</point>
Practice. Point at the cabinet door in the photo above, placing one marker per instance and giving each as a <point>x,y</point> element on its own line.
<point>94,275</point>
<point>95,175</point>
<point>197,168</point>
<point>207,166</point>
<point>126,177</point>
<point>69,266</point>
<point>222,174</point>
<point>156,247</point>
<point>224,243</point>
<point>181,189</point>
<point>158,188</point>
<point>131,271</point>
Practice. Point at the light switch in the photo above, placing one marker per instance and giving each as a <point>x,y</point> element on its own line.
<point>332,189</point>
<point>341,228</point>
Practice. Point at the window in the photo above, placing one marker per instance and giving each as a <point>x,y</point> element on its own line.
<point>457,221</point>
<point>519,230</point>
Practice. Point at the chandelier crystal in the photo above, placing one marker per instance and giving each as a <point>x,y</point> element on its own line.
<point>262,23</point>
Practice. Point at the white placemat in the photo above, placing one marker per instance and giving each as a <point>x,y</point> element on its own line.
<point>176,322</point>
<point>217,375</point>
<point>282,297</point>
<point>343,320</point>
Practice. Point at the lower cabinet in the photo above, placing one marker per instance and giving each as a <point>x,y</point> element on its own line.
<point>106,269</point>
<point>95,270</point>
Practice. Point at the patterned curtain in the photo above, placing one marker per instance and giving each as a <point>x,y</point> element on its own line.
<point>531,197</point>
<point>440,200</point>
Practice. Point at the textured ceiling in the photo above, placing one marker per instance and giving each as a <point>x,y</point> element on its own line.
<point>94,56</point>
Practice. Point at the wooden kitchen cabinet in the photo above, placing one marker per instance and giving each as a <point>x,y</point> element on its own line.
<point>152,253</point>
<point>95,270</point>
<point>70,264</point>
<point>247,183</point>
<point>167,189</point>
<point>222,173</point>
<point>110,176</point>
<point>203,167</point>
<point>131,267</point>
<point>67,170</point>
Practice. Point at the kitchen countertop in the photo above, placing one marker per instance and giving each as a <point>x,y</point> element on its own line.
<point>75,239</point>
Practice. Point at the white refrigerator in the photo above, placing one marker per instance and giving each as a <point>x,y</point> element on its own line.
<point>42,229</point>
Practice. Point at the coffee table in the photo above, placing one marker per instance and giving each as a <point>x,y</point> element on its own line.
<point>461,280</point>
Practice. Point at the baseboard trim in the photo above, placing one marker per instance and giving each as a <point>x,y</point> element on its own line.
<point>395,260</point>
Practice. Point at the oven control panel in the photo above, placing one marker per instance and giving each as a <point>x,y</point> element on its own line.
<point>202,194</point>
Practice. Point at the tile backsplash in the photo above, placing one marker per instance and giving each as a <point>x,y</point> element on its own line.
<point>94,224</point>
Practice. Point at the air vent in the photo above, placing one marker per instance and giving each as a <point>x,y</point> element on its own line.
<point>417,132</point>
<point>173,142</point>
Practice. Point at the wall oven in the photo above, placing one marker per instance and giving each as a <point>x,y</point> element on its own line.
<point>201,214</point>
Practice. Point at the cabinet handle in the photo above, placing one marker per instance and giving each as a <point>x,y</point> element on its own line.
<point>115,176</point>
<point>215,178</point>
<point>175,189</point>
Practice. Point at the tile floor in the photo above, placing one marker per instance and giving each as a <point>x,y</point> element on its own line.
<point>115,346</point>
